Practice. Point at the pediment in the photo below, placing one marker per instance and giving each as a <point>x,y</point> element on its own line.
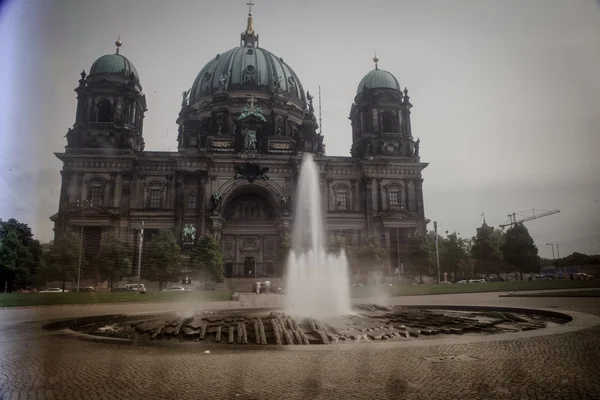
<point>395,215</point>
<point>249,249</point>
<point>90,212</point>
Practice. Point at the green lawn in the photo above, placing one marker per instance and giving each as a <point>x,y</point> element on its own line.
<point>579,293</point>
<point>511,286</point>
<point>42,299</point>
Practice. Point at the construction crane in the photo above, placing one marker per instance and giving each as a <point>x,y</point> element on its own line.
<point>513,217</point>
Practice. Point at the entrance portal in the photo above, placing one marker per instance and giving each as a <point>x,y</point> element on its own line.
<point>249,267</point>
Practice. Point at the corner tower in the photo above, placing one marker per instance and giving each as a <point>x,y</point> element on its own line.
<point>380,117</point>
<point>110,106</point>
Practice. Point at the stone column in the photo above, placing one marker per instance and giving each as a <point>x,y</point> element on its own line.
<point>375,115</point>
<point>63,205</point>
<point>109,198</point>
<point>201,203</point>
<point>379,195</point>
<point>387,245</point>
<point>179,204</point>
<point>125,195</point>
<point>420,206</point>
<point>261,256</point>
<point>117,185</point>
<point>80,187</point>
<point>368,182</point>
<point>355,196</point>
<point>235,271</point>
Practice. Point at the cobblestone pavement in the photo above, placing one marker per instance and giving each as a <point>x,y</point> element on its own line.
<point>36,364</point>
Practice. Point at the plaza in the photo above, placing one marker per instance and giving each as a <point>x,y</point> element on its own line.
<point>36,363</point>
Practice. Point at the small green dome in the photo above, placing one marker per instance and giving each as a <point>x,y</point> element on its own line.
<point>378,79</point>
<point>114,64</point>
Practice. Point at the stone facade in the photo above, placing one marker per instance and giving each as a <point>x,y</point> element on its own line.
<point>234,175</point>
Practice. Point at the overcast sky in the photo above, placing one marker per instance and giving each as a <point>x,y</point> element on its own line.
<point>506,93</point>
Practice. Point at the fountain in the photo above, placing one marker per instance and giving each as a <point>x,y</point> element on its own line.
<point>317,282</point>
<point>317,304</point>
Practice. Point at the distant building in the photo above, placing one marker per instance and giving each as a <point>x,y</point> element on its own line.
<point>243,127</point>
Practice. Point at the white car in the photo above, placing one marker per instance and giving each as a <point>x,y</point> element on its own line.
<point>52,290</point>
<point>461,282</point>
<point>477,281</point>
<point>174,289</point>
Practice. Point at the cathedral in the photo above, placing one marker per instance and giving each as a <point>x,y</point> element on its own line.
<point>243,127</point>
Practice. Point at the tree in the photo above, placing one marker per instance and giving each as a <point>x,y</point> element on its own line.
<point>520,251</point>
<point>485,251</point>
<point>284,251</point>
<point>113,260</point>
<point>371,253</point>
<point>63,259</point>
<point>208,259</point>
<point>15,260</point>
<point>163,260</point>
<point>420,255</point>
<point>454,256</point>
<point>336,243</point>
<point>25,237</point>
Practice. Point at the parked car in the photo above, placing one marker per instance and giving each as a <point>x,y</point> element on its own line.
<point>477,281</point>
<point>174,289</point>
<point>85,289</point>
<point>462,282</point>
<point>53,290</point>
<point>132,287</point>
<point>540,278</point>
<point>495,279</point>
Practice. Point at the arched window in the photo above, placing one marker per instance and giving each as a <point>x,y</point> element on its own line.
<point>387,122</point>
<point>155,195</point>
<point>192,201</point>
<point>104,111</point>
<point>342,198</point>
<point>394,197</point>
<point>96,191</point>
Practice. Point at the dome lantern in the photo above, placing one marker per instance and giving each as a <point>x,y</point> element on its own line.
<point>249,38</point>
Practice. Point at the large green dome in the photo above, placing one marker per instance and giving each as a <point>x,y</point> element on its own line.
<point>114,64</point>
<point>378,79</point>
<point>247,68</point>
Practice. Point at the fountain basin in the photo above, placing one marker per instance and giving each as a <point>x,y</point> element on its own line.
<point>272,328</point>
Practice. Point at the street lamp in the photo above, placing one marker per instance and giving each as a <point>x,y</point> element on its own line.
<point>551,244</point>
<point>81,205</point>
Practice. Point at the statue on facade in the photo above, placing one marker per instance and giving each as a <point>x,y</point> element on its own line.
<point>320,145</point>
<point>279,130</point>
<point>417,144</point>
<point>249,138</point>
<point>180,134</point>
<point>285,201</point>
<point>189,234</point>
<point>309,100</point>
<point>223,82</point>
<point>277,85</point>
<point>118,113</point>
<point>185,95</point>
<point>216,199</point>
<point>220,130</point>
<point>299,141</point>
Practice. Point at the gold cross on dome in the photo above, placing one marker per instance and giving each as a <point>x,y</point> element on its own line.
<point>250,4</point>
